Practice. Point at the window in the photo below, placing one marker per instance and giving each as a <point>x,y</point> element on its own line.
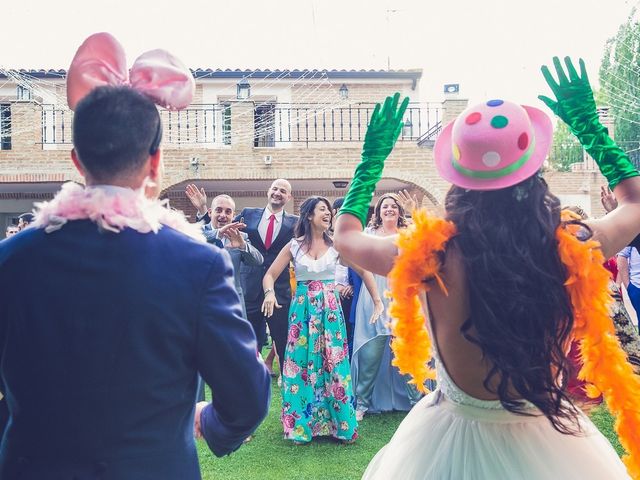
<point>265,125</point>
<point>23,93</point>
<point>226,124</point>
<point>5,126</point>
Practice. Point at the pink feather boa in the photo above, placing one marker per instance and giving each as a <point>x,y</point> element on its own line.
<point>112,209</point>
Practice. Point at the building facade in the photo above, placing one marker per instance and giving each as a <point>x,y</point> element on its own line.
<point>243,130</point>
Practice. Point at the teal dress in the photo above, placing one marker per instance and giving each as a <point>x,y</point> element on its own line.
<point>317,397</point>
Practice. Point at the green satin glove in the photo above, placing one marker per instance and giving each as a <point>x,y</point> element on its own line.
<point>577,108</point>
<point>383,131</point>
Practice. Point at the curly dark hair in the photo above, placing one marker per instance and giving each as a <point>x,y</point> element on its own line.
<point>521,315</point>
<point>376,218</point>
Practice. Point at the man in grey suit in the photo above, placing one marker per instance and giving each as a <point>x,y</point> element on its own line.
<point>221,230</point>
<point>235,241</point>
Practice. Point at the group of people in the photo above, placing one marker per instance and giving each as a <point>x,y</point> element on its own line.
<point>24,220</point>
<point>119,306</point>
<point>326,389</point>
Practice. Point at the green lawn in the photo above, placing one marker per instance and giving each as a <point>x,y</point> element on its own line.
<point>268,456</point>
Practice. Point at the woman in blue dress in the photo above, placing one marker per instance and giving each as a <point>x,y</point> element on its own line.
<point>379,386</point>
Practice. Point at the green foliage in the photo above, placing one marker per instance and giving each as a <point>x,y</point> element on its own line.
<point>620,80</point>
<point>565,149</point>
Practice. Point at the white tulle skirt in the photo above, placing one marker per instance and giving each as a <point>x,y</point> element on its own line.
<point>442,440</point>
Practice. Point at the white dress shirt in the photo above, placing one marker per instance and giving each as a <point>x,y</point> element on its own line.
<point>264,224</point>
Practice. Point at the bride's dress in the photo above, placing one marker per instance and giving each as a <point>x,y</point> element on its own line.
<point>450,435</point>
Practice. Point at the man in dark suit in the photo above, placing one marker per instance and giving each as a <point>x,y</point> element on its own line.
<point>114,311</point>
<point>269,230</point>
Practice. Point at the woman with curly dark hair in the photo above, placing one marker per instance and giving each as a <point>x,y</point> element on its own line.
<point>378,385</point>
<point>502,286</point>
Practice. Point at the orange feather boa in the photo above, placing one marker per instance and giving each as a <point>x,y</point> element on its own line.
<point>605,366</point>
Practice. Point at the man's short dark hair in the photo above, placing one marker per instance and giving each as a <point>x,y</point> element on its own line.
<point>337,203</point>
<point>115,129</point>
<point>26,217</point>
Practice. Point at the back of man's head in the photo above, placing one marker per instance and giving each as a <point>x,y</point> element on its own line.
<point>337,203</point>
<point>26,218</point>
<point>115,129</point>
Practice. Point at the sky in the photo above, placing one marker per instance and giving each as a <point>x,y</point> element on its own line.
<point>492,48</point>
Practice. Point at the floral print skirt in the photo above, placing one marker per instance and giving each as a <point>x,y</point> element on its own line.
<point>317,398</point>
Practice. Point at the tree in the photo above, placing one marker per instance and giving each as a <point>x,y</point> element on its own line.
<point>620,83</point>
<point>565,149</point>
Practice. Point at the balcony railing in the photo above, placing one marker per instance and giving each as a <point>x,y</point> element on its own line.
<point>209,125</point>
<point>198,124</point>
<point>307,123</point>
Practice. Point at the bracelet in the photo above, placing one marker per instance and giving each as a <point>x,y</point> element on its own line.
<point>268,290</point>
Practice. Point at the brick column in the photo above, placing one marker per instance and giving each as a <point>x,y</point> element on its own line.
<point>452,107</point>
<point>26,127</point>
<point>298,198</point>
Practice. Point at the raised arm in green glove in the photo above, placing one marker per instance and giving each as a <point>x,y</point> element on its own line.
<point>576,107</point>
<point>384,129</point>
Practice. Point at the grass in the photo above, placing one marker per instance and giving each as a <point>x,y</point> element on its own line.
<point>604,421</point>
<point>269,457</point>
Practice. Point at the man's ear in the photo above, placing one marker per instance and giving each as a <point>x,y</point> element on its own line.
<point>76,162</point>
<point>155,165</point>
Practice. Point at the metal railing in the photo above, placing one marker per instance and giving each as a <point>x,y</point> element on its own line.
<point>428,139</point>
<point>56,126</point>
<point>306,123</point>
<point>273,123</point>
<point>198,124</point>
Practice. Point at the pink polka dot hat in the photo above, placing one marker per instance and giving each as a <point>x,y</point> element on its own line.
<point>493,145</point>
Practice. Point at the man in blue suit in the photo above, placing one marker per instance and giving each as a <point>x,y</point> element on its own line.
<point>269,229</point>
<point>114,312</point>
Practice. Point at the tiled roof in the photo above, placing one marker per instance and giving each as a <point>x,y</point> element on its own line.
<point>414,74</point>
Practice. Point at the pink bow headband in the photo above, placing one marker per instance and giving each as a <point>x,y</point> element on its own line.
<point>157,74</point>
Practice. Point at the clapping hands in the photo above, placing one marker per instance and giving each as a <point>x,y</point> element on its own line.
<point>231,231</point>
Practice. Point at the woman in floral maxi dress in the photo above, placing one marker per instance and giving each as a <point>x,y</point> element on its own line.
<point>317,395</point>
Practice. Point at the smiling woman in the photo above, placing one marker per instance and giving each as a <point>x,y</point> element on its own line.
<point>378,385</point>
<point>317,398</point>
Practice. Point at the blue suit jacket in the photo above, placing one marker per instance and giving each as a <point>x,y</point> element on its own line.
<point>102,336</point>
<point>252,275</point>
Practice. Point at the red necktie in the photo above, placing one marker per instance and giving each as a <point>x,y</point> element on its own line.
<point>269,237</point>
